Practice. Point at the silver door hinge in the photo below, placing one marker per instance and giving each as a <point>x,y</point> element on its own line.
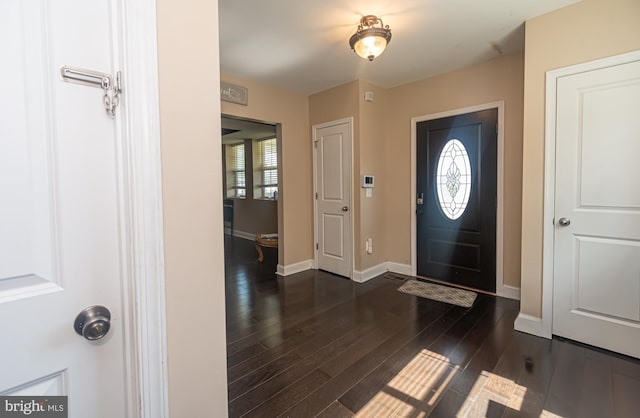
<point>316,196</point>
<point>110,85</point>
<point>317,246</point>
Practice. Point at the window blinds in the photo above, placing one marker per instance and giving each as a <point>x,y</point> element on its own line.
<point>236,177</point>
<point>266,171</point>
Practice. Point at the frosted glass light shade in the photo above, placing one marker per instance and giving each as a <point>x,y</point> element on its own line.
<point>370,41</point>
<point>370,47</point>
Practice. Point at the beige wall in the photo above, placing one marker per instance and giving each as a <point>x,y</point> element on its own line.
<point>336,103</point>
<point>582,32</point>
<point>295,204</point>
<point>191,171</point>
<point>255,216</point>
<point>372,160</point>
<point>191,178</point>
<point>345,101</point>
<point>339,103</point>
<point>495,80</point>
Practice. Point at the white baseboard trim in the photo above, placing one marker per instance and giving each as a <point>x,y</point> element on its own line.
<point>240,234</point>
<point>370,273</point>
<point>399,268</point>
<point>510,292</point>
<point>530,325</point>
<point>282,270</point>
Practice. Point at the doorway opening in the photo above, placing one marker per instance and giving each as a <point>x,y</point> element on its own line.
<point>251,173</point>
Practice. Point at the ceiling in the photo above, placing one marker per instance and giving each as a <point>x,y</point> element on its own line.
<point>302,45</point>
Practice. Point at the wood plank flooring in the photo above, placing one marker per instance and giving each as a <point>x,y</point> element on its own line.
<point>318,345</point>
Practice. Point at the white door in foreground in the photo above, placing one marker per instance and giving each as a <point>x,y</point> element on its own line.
<point>597,213</point>
<point>62,245</point>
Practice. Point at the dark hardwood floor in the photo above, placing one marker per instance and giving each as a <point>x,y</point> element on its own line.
<point>314,344</point>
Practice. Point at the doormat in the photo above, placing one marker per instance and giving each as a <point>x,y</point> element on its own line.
<point>440,293</point>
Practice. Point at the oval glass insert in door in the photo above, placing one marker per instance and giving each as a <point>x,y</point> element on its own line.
<point>453,179</point>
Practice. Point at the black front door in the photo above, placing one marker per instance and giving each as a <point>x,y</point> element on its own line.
<point>456,199</point>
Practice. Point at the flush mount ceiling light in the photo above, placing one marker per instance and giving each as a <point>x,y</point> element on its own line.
<point>369,41</point>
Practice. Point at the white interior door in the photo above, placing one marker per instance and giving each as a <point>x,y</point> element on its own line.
<point>61,218</point>
<point>333,149</point>
<point>597,212</point>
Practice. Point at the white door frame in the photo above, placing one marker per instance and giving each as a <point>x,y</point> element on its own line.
<point>314,130</point>
<point>543,327</point>
<point>501,289</point>
<point>138,123</point>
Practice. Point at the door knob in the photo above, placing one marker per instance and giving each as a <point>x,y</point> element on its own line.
<point>564,221</point>
<point>345,208</point>
<point>93,322</point>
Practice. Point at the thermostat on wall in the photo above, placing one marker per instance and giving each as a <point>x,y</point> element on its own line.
<point>367,181</point>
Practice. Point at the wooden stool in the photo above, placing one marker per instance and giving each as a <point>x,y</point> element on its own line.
<point>267,241</point>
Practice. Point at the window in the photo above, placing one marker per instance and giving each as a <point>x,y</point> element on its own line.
<point>265,169</point>
<point>453,181</point>
<point>236,176</point>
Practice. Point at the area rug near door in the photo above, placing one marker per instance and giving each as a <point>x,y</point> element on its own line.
<point>440,293</point>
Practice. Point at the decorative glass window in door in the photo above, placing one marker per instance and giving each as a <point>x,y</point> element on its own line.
<point>453,179</point>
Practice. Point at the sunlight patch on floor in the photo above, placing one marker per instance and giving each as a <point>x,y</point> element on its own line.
<point>416,386</point>
<point>416,389</point>
<point>491,393</point>
<point>547,414</point>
